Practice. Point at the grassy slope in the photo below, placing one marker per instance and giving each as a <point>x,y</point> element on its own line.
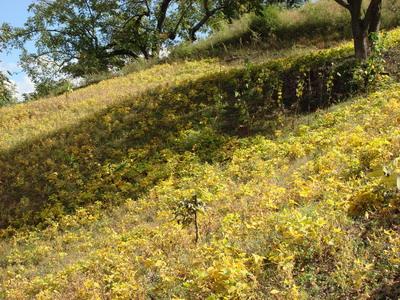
<point>116,147</point>
<point>283,218</point>
<point>28,121</point>
<point>320,23</point>
<point>287,217</point>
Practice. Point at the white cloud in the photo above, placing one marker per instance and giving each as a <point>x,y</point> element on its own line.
<point>11,67</point>
<point>23,85</point>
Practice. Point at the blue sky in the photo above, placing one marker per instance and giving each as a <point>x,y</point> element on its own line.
<point>15,12</point>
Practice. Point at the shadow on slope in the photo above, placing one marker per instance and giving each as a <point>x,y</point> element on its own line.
<point>123,150</point>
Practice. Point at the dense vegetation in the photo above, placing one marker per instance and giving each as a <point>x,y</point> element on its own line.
<point>284,205</point>
<point>252,177</point>
<point>6,90</point>
<point>96,158</point>
<point>92,40</point>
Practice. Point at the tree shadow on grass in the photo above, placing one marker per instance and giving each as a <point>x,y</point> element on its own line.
<point>123,151</point>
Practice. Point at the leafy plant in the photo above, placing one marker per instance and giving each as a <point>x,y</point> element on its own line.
<point>371,73</point>
<point>187,211</point>
<point>7,90</point>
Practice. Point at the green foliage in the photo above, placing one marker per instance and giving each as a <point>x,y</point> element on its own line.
<point>82,38</point>
<point>6,91</point>
<point>267,24</point>
<point>6,88</point>
<point>50,88</point>
<point>370,73</point>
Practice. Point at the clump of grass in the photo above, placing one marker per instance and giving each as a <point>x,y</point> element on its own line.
<point>321,20</point>
<point>217,42</point>
<point>140,65</point>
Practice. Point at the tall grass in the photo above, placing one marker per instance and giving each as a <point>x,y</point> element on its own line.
<point>319,23</point>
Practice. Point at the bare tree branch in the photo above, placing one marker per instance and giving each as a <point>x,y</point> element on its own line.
<point>162,14</point>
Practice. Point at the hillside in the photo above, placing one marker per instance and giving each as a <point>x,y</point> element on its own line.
<point>277,164</point>
<point>319,23</point>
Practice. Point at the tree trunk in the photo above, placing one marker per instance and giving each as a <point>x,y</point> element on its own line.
<point>375,20</point>
<point>362,27</point>
<point>361,45</point>
<point>360,36</point>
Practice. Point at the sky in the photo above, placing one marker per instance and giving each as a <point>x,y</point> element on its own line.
<point>15,13</point>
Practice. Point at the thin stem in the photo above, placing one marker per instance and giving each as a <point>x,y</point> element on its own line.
<point>196,225</point>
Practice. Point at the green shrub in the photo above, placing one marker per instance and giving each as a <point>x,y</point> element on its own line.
<point>268,23</point>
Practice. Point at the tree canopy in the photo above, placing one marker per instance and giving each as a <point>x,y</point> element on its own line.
<point>6,87</point>
<point>6,90</point>
<point>80,37</point>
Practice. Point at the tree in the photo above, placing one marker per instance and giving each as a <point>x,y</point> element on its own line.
<point>363,24</point>
<point>187,212</point>
<point>7,90</point>
<point>205,10</point>
<point>71,37</point>
<point>82,37</point>
<point>7,93</point>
